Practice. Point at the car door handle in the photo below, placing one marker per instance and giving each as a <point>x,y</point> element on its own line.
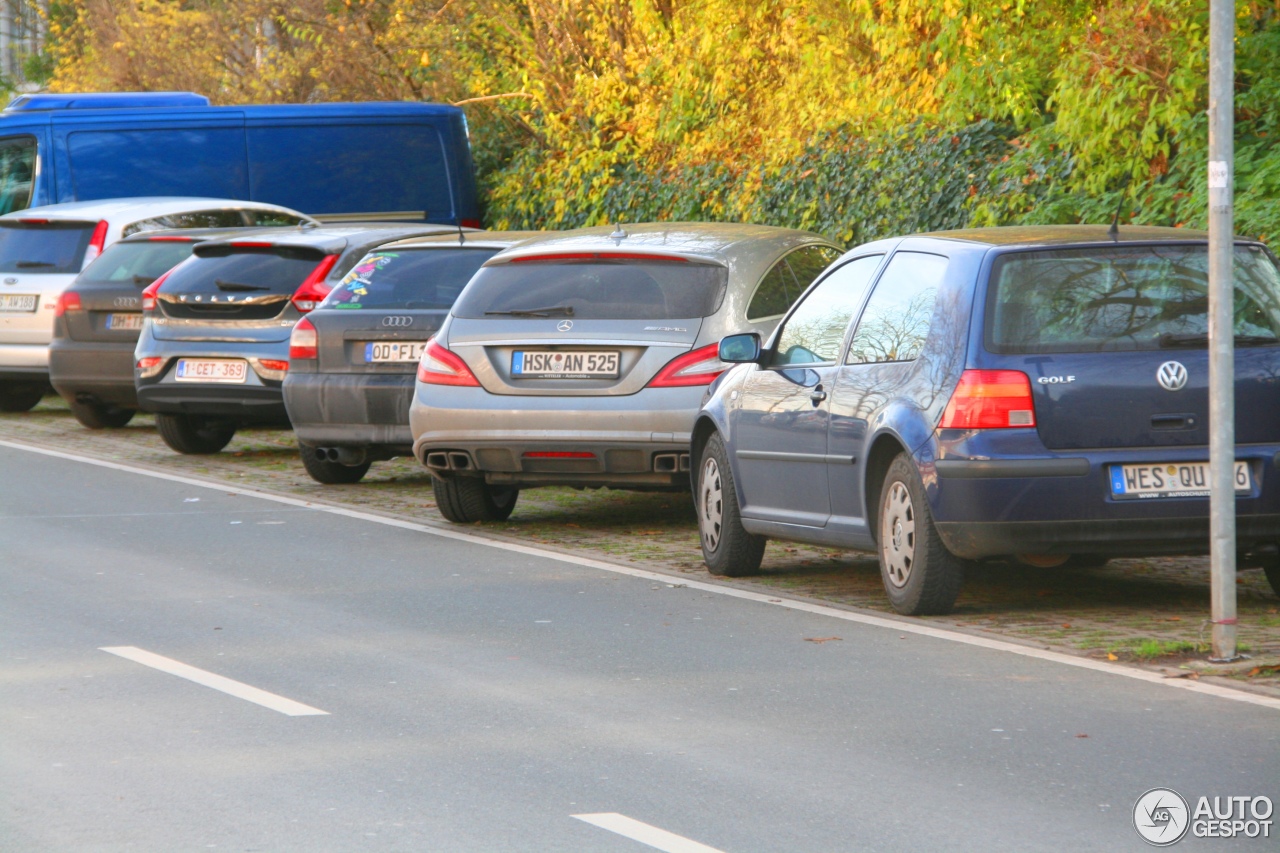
<point>818,395</point>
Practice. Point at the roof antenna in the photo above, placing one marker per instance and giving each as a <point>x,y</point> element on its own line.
<point>462,237</point>
<point>1114,231</point>
<point>618,234</point>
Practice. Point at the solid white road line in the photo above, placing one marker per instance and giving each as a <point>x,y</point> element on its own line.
<point>644,833</point>
<point>902,625</point>
<point>217,682</point>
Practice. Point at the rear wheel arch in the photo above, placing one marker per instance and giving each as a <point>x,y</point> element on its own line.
<point>883,451</point>
<point>702,432</point>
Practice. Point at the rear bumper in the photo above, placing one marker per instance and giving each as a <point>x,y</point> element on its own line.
<point>986,505</point>
<point>635,441</point>
<point>24,361</point>
<point>101,370</point>
<point>357,410</point>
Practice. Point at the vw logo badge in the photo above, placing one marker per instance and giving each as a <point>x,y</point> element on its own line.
<point>1172,376</point>
<point>398,320</point>
<point>564,325</point>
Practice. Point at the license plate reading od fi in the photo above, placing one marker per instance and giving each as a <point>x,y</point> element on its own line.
<point>1171,480</point>
<point>551,364</point>
<point>393,351</point>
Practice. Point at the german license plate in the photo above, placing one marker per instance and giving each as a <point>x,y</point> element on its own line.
<point>231,371</point>
<point>1171,480</point>
<point>393,351</point>
<point>124,322</point>
<point>545,364</point>
<point>18,301</point>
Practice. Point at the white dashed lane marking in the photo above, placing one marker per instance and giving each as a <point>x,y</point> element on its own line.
<point>217,682</point>
<point>659,839</point>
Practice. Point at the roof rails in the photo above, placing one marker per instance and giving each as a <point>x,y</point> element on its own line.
<point>105,100</point>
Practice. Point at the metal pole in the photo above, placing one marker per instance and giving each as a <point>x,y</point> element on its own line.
<point>1222,428</point>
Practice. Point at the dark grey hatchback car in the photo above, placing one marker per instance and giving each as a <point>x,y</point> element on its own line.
<point>214,348</point>
<point>352,361</point>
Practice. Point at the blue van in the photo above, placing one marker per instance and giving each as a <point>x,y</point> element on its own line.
<point>387,160</point>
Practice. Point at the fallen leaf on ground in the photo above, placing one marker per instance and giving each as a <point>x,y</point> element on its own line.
<point>1188,674</point>
<point>1081,735</point>
<point>1268,669</point>
<point>821,639</point>
<point>1111,656</point>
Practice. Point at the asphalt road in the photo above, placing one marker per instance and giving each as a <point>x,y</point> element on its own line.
<point>476,699</point>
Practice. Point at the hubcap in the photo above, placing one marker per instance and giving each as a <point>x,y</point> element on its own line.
<point>898,534</point>
<point>710,505</point>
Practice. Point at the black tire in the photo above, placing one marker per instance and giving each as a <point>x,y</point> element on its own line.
<point>921,577</point>
<point>464,500</point>
<point>1271,568</point>
<point>194,434</point>
<point>100,415</point>
<point>727,548</point>
<point>21,396</point>
<point>330,473</point>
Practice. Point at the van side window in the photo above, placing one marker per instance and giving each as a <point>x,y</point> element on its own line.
<point>895,323</point>
<point>17,172</point>
<point>815,331</point>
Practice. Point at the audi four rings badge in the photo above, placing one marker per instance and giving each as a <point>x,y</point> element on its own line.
<point>1172,376</point>
<point>398,320</point>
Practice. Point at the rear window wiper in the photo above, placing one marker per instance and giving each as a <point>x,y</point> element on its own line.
<point>26,265</point>
<point>566,310</point>
<point>1171,340</point>
<point>237,286</point>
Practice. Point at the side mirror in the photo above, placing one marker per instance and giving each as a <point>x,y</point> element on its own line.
<point>740,349</point>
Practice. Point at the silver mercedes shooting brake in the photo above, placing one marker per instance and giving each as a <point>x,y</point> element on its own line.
<point>581,360</point>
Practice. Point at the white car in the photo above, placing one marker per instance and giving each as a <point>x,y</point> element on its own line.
<point>43,249</point>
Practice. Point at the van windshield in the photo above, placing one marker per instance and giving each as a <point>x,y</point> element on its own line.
<point>408,278</point>
<point>52,247</point>
<point>137,263</point>
<point>1124,298</point>
<point>595,290</point>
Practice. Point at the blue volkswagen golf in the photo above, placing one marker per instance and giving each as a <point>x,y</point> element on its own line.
<point>1034,393</point>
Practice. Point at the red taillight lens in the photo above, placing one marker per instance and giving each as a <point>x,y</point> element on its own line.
<point>149,362</point>
<point>441,367</point>
<point>274,363</point>
<point>149,293</point>
<point>558,454</point>
<point>699,367</point>
<point>67,301</point>
<point>96,243</point>
<point>302,341</point>
<point>990,399</point>
<point>313,291</point>
<point>471,223</point>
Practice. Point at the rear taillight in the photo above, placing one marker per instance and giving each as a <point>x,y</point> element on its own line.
<point>990,399</point>
<point>68,300</point>
<point>96,243</point>
<point>302,341</point>
<point>471,223</point>
<point>149,293</point>
<point>274,364</point>
<point>313,290</point>
<point>441,367</point>
<point>699,367</point>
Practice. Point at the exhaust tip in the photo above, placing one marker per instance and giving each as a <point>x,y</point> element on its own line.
<point>438,461</point>
<point>460,462</point>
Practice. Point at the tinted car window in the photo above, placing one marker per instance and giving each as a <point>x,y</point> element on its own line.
<point>596,290</point>
<point>1123,298</point>
<point>896,320</point>
<point>241,274</point>
<point>815,330</point>
<point>17,168</point>
<point>135,263</point>
<point>777,290</point>
<point>809,262</point>
<point>211,219</point>
<point>408,278</point>
<point>54,248</point>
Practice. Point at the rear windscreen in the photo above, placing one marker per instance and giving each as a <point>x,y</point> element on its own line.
<point>241,274</point>
<point>595,290</point>
<point>1124,298</point>
<point>225,218</point>
<point>136,263</point>
<point>408,278</point>
<point>53,248</point>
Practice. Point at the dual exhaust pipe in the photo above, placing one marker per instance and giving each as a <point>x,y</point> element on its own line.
<point>341,455</point>
<point>449,460</point>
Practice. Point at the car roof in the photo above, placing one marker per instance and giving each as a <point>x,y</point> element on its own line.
<point>714,242</point>
<point>144,206</point>
<point>197,235</point>
<point>470,240</point>
<point>1060,235</point>
<point>335,239</point>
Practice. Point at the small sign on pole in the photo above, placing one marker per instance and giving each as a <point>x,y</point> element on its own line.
<point>1222,431</point>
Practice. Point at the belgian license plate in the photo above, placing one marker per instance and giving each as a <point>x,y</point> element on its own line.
<point>1171,480</point>
<point>545,364</point>
<point>393,351</point>
<point>231,371</point>
<point>18,301</point>
<point>124,322</point>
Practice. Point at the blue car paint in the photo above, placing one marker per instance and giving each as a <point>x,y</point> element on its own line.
<point>410,160</point>
<point>1059,513</point>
